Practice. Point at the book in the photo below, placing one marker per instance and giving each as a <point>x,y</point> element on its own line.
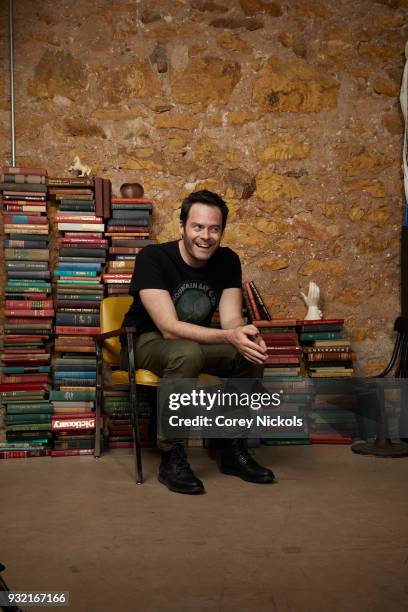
<point>77,181</point>
<point>73,452</point>
<point>319,335</point>
<point>28,187</point>
<point>24,178</point>
<point>99,197</point>
<point>24,170</point>
<point>106,198</point>
<point>25,453</point>
<point>30,254</point>
<point>263,311</point>
<point>81,227</point>
<point>82,331</point>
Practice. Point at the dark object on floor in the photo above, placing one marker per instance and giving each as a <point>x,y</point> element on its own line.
<point>175,472</point>
<point>5,589</point>
<point>236,460</point>
<point>383,446</point>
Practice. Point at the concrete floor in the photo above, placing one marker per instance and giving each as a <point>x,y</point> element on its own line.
<point>332,535</point>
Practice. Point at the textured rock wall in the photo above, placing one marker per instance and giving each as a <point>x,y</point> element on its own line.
<point>288,108</point>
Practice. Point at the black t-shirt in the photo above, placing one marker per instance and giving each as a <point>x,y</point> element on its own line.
<point>195,292</point>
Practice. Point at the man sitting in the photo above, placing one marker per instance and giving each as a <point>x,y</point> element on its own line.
<point>176,287</point>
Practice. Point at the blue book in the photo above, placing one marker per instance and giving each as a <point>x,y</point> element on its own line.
<point>65,265</point>
<point>81,374</point>
<point>67,272</point>
<point>26,370</point>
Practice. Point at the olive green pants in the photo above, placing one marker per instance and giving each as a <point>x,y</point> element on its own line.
<point>187,359</point>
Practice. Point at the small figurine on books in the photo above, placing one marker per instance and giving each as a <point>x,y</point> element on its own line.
<point>312,302</point>
<point>131,190</point>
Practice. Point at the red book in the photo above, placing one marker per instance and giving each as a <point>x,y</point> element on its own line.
<point>84,245</point>
<point>29,313</point>
<point>77,219</point>
<point>73,422</point>
<point>22,386</point>
<point>118,289</point>
<point>24,170</point>
<point>24,454</point>
<point>127,229</point>
<point>284,350</point>
<point>107,194</point>
<point>10,219</point>
<point>280,337</point>
<point>320,322</point>
<point>33,296</point>
<point>72,452</point>
<point>276,323</point>
<point>99,196</point>
<point>24,304</point>
<point>280,359</point>
<point>23,378</point>
<point>259,301</point>
<point>69,415</point>
<point>39,203</point>
<point>68,192</point>
<point>83,235</point>
<point>77,240</point>
<point>77,331</point>
<point>329,439</point>
<point>254,305</point>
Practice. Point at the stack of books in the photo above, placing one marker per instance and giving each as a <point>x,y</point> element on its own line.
<point>327,352</point>
<point>29,312</point>
<point>129,230</point>
<point>284,351</point>
<point>331,424</point>
<point>328,355</point>
<point>74,434</point>
<point>78,292</point>
<point>73,423</point>
<point>282,374</point>
<point>118,424</point>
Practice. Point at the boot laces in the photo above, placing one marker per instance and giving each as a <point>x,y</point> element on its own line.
<point>179,459</point>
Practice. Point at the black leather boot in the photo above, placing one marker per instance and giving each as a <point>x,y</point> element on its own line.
<point>175,472</point>
<point>236,460</point>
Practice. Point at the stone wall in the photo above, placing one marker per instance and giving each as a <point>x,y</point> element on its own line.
<point>289,108</point>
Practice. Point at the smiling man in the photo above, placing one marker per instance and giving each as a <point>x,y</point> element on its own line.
<point>177,286</point>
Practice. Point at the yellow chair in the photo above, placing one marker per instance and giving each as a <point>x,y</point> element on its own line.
<point>108,347</point>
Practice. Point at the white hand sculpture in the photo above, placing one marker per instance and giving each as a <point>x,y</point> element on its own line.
<point>312,302</point>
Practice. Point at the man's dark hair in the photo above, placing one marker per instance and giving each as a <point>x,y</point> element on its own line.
<point>203,197</point>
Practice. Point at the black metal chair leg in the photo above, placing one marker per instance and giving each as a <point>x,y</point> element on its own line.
<point>98,403</point>
<point>134,411</point>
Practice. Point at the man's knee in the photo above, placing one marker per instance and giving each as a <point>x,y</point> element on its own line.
<point>184,358</point>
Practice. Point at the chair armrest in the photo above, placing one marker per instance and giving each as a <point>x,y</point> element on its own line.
<point>115,333</point>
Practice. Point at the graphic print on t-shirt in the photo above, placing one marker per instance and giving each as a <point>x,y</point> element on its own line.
<point>194,301</point>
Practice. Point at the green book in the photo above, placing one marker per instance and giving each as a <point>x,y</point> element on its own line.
<point>307,336</point>
<point>30,408</point>
<point>30,427</point>
<point>78,396</point>
<point>28,418</point>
